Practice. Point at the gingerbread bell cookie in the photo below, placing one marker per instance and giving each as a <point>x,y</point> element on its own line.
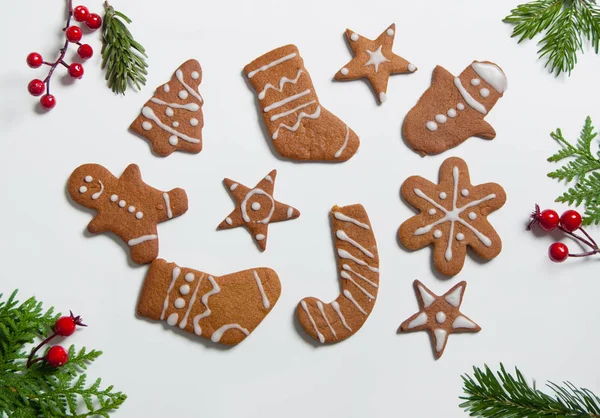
<point>358,266</point>
<point>374,60</point>
<point>452,216</point>
<point>172,119</point>
<point>225,309</point>
<point>126,206</point>
<point>440,316</point>
<point>453,108</point>
<point>299,126</point>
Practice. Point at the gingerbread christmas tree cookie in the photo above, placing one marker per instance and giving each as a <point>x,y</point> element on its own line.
<point>126,206</point>
<point>452,216</point>
<point>256,208</point>
<point>172,119</point>
<point>374,60</point>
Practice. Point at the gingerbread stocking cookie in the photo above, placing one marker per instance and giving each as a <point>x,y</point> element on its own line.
<point>453,108</point>
<point>225,309</point>
<point>126,206</point>
<point>172,119</point>
<point>300,128</point>
<point>453,216</point>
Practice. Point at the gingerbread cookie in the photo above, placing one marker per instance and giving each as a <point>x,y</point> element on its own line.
<point>172,119</point>
<point>358,266</point>
<point>126,206</point>
<point>374,60</point>
<point>301,129</point>
<point>453,108</point>
<point>225,309</point>
<point>256,208</point>
<point>453,215</point>
<point>440,316</point>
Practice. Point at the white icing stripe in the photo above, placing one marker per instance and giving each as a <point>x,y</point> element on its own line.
<point>282,82</point>
<point>347,255</point>
<point>285,101</point>
<point>168,205</point>
<point>192,107</point>
<point>149,113</point>
<point>348,268</point>
<point>179,75</point>
<point>338,311</point>
<point>347,276</point>
<point>290,212</point>
<point>320,306</point>
<point>215,289</point>
<point>345,218</point>
<point>261,289</point>
<point>289,112</point>
<point>301,116</point>
<point>174,275</point>
<point>218,334</point>
<point>440,339</point>
<point>271,64</point>
<point>343,147</point>
<point>183,322</point>
<point>139,240</point>
<point>96,195</point>
<point>421,319</point>
<point>312,321</point>
<point>351,299</point>
<point>492,75</point>
<point>468,98</point>
<point>344,237</point>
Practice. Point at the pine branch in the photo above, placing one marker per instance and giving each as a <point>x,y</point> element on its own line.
<point>503,395</point>
<point>122,57</point>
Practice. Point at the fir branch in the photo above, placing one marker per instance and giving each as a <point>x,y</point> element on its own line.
<point>122,57</point>
<point>565,24</point>
<point>507,396</point>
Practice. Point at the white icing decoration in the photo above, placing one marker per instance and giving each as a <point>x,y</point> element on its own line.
<point>149,113</point>
<point>169,112</point>
<point>122,203</point>
<point>376,58</point>
<point>343,147</point>
<point>294,128</point>
<point>290,212</point>
<point>175,124</point>
<point>437,233</point>
<point>462,322</point>
<point>183,94</point>
<point>229,221</point>
<point>412,68</point>
<point>464,192</point>
<point>194,122</point>
<point>184,289</point>
<point>179,75</point>
<point>431,125</point>
<point>312,321</point>
<point>215,289</point>
<point>195,75</point>
<point>348,268</point>
<point>271,64</point>
<point>282,82</point>
<point>174,275</point>
<point>88,179</point>
<point>255,206</point>
<point>443,195</point>
<point>451,113</point>
<point>179,303</point>
<point>421,319</point>
<point>460,106</point>
<point>432,211</point>
<point>269,179</point>
<point>440,317</point>
<point>338,311</point>
<point>114,198</point>
<point>460,236</point>
<point>472,216</point>
<point>347,276</point>
<point>183,322</point>
<point>131,209</point>
<point>166,88</point>
<point>173,140</point>
<point>440,339</point>
<point>345,254</point>
<point>382,97</point>
<point>455,297</point>
<point>261,289</point>
<point>345,218</point>
<point>167,200</point>
<point>82,189</point>
<point>172,319</point>
<point>341,235</point>
<point>344,71</point>
<point>294,110</point>
<point>441,118</point>
<point>286,101</point>
<point>390,31</point>
<point>139,215</point>
<point>192,107</point>
<point>484,92</point>
<point>244,203</point>
<point>354,37</point>
<point>189,277</point>
<point>468,98</point>
<point>492,75</point>
<point>139,240</point>
<point>218,334</point>
<point>233,186</point>
<point>475,82</point>
<point>428,297</point>
<point>260,237</point>
<point>351,299</point>
<point>320,306</point>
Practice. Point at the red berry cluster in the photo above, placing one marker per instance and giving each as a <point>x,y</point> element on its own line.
<point>73,35</point>
<point>569,222</point>
<point>57,356</point>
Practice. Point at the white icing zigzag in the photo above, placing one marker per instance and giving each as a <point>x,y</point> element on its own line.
<point>294,128</point>
<point>282,82</point>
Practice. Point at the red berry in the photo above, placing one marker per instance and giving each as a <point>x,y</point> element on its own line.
<point>36,87</point>
<point>80,13</point>
<point>93,21</point>
<point>57,356</point>
<point>548,220</point>
<point>74,34</point>
<point>76,70</point>
<point>85,51</point>
<point>48,101</point>
<point>558,252</point>
<point>65,326</point>
<point>34,60</point>
<point>570,220</point>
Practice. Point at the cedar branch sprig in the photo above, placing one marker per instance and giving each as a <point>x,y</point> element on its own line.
<point>503,395</point>
<point>565,24</point>
<point>122,57</point>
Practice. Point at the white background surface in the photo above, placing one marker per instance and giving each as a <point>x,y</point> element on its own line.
<point>535,314</point>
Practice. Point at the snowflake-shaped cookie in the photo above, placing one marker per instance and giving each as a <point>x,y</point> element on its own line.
<point>453,215</point>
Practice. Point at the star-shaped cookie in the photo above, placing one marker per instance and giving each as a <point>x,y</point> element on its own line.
<point>374,60</point>
<point>256,208</point>
<point>440,316</point>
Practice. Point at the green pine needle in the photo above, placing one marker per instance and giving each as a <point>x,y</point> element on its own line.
<point>122,57</point>
<point>581,168</point>
<point>43,391</point>
<point>565,23</point>
<point>503,395</point>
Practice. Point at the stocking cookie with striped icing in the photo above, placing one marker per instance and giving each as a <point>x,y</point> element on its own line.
<point>299,126</point>
<point>126,206</point>
<point>452,216</point>
<point>172,119</point>
<point>358,267</point>
<point>224,309</point>
<point>453,109</point>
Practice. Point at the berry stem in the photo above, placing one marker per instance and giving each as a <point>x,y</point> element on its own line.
<point>584,254</point>
<point>30,360</point>
<point>589,237</point>
<point>63,50</point>
<point>577,237</point>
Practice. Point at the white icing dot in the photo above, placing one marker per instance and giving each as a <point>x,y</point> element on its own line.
<point>443,195</point>
<point>189,277</point>
<point>172,319</point>
<point>131,209</point>
<point>460,236</point>
<point>460,106</point>
<point>229,221</point>
<point>475,82</point>
<point>440,317</point>
<point>194,122</point>
<point>184,289</point>
<point>437,233</point>
<point>452,113</point>
<point>114,198</point>
<point>441,118</point>
<point>122,203</point>
<point>390,31</point>
<point>412,68</point>
<point>173,140</point>
<point>432,211</point>
<point>139,215</point>
<point>484,92</point>
<point>255,206</point>
<point>472,216</point>
<point>183,94</point>
<point>354,37</point>
<point>464,192</point>
<point>146,125</point>
<point>82,189</point>
<point>344,71</point>
<point>169,112</point>
<point>88,179</point>
<point>260,237</point>
<point>166,88</point>
<point>179,303</point>
<point>382,97</point>
<point>431,125</point>
<point>175,124</point>
<point>195,75</point>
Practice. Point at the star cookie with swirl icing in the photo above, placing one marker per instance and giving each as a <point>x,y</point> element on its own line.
<point>453,216</point>
<point>256,208</point>
<point>374,60</point>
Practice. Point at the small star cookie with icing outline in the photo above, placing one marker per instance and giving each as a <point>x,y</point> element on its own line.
<point>453,216</point>
<point>374,60</point>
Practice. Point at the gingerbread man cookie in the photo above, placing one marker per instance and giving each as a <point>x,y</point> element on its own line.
<point>126,206</point>
<point>374,60</point>
<point>225,309</point>
<point>440,316</point>
<point>453,216</point>
<point>453,108</point>
<point>172,119</point>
